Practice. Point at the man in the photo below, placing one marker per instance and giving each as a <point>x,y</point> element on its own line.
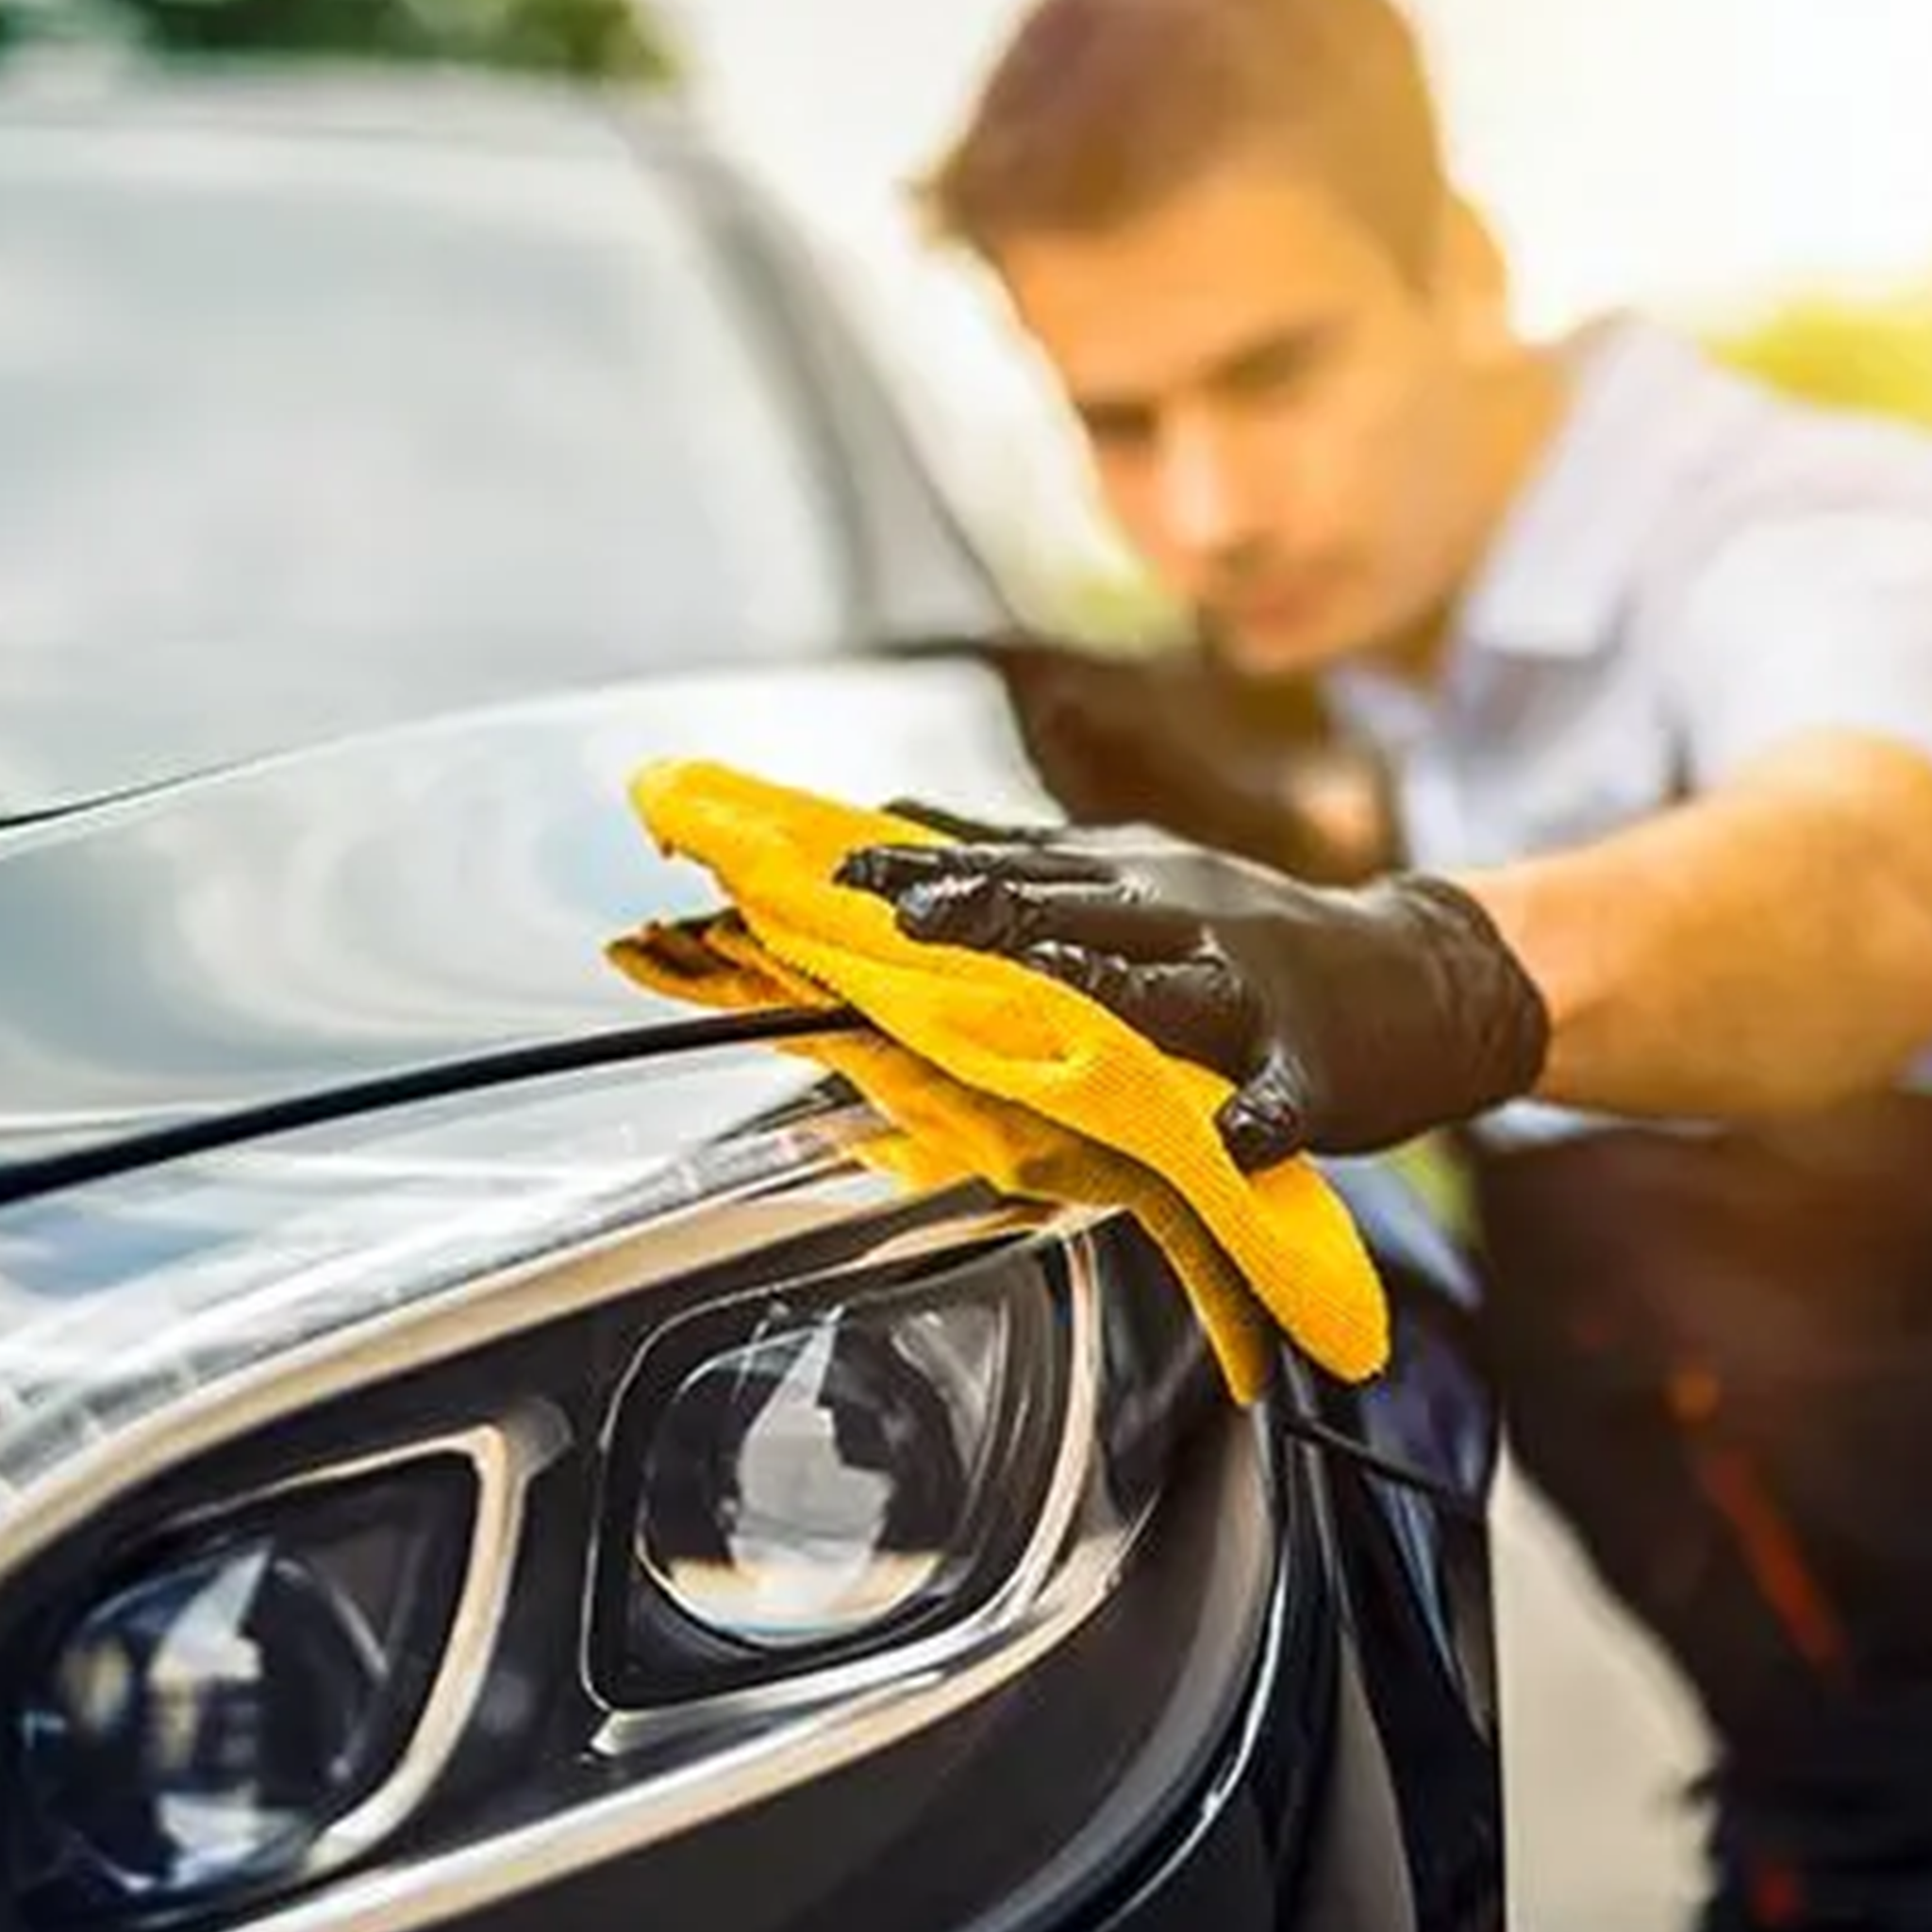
<point>1649,654</point>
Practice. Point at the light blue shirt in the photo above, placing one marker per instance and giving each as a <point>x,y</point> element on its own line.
<point>1700,570</point>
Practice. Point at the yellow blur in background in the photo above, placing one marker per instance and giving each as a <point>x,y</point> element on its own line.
<point>1870,357</point>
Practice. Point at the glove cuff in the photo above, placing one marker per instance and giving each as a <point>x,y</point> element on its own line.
<point>1498,1013</point>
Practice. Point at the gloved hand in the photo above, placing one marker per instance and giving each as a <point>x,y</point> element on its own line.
<point>1349,1020</point>
<point>1175,741</point>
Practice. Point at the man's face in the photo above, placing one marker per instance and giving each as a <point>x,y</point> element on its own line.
<point>1281,419</point>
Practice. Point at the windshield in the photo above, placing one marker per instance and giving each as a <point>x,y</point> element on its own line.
<point>298,438</point>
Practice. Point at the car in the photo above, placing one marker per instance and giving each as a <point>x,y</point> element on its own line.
<point>333,400</point>
<point>479,1446</point>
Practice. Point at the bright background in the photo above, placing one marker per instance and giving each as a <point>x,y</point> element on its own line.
<point>1671,151</point>
<point>1695,156</point>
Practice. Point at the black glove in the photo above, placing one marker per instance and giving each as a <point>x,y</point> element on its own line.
<point>1174,739</point>
<point>1349,1020</point>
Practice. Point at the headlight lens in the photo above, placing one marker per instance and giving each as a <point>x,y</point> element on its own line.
<point>216,1707</point>
<point>810,1472</point>
<point>793,1481</point>
<point>820,1479</point>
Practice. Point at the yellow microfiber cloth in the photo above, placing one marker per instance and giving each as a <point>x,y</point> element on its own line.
<point>988,1068</point>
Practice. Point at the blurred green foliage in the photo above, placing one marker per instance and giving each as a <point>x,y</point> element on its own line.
<point>619,39</point>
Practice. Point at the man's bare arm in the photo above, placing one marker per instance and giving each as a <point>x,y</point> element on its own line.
<point>1765,949</point>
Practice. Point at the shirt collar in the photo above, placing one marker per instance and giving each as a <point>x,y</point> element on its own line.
<point>1555,581</point>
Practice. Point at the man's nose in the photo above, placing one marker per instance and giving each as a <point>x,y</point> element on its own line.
<point>1203,502</point>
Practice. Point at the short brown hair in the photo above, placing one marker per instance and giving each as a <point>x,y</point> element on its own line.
<point>1099,108</point>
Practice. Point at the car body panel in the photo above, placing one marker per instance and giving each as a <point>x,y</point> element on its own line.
<point>416,895</point>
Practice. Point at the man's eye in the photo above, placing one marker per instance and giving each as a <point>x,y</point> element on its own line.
<point>1118,428</point>
<point>1273,373</point>
<point>1279,369</point>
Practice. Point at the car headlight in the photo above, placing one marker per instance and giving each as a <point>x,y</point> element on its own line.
<point>225,1701</point>
<point>260,1691</point>
<point>792,1480</point>
<point>616,1490</point>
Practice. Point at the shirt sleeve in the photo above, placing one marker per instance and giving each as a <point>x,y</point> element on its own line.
<point>1805,623</point>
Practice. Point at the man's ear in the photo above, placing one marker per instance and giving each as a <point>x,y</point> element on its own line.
<point>1472,285</point>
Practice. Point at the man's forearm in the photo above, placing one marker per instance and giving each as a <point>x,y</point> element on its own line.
<point>1765,949</point>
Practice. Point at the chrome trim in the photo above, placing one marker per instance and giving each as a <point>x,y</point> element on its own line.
<point>505,1458</point>
<point>629,1729</point>
<point>851,1721</point>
